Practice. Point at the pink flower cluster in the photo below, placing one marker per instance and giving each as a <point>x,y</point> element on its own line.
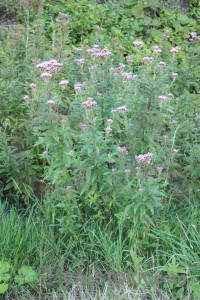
<point>83,126</point>
<point>123,150</point>
<point>129,58</point>
<point>162,98</point>
<point>49,66</point>
<point>137,44</point>
<point>194,36</point>
<point>149,60</point>
<point>97,52</point>
<point>50,102</point>
<point>162,64</point>
<point>32,85</point>
<point>87,105</point>
<point>65,21</point>
<point>45,75</point>
<point>157,50</point>
<point>174,75</point>
<point>80,61</point>
<point>26,97</point>
<point>175,50</point>
<point>121,108</point>
<point>129,76</point>
<point>127,172</point>
<point>144,159</point>
<point>92,68</point>
<point>109,129</point>
<point>64,83</point>
<point>78,87</point>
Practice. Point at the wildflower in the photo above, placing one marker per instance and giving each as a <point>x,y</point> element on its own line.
<point>137,169</point>
<point>140,190</point>
<point>186,121</point>
<point>109,121</point>
<point>77,50</point>
<point>89,103</point>
<point>63,15</point>
<point>71,152</point>
<point>162,98</point>
<point>50,102</point>
<point>49,66</point>
<point>121,66</point>
<point>68,188</point>
<point>64,83</point>
<point>162,64</point>
<point>129,76</point>
<point>108,129</point>
<point>159,169</point>
<point>45,152</point>
<point>80,61</point>
<point>113,111</point>
<point>92,68</point>
<point>122,108</point>
<point>129,58</point>
<point>122,150</point>
<point>83,126</point>
<point>137,44</point>
<point>157,50</point>
<point>174,50</point>
<point>174,151</point>
<point>99,94</point>
<point>144,159</point>
<point>174,75</point>
<point>126,172</point>
<point>78,87</point>
<point>170,95</point>
<point>165,137</point>
<point>113,170</point>
<point>197,117</point>
<point>26,97</point>
<point>148,59</point>
<point>45,75</point>
<point>63,121</point>
<point>32,85</point>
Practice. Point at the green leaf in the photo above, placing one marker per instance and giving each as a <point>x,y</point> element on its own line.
<point>4,267</point>
<point>138,11</point>
<point>26,275</point>
<point>3,288</point>
<point>4,277</point>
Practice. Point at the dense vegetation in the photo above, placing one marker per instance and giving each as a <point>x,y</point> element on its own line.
<point>99,147</point>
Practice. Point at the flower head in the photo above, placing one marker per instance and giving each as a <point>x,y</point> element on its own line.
<point>64,83</point>
<point>108,129</point>
<point>123,150</point>
<point>109,121</point>
<point>137,44</point>
<point>126,172</point>
<point>50,102</point>
<point>174,75</point>
<point>26,97</point>
<point>159,169</point>
<point>45,75</point>
<point>87,105</point>
<point>174,151</point>
<point>32,85</point>
<point>144,159</point>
